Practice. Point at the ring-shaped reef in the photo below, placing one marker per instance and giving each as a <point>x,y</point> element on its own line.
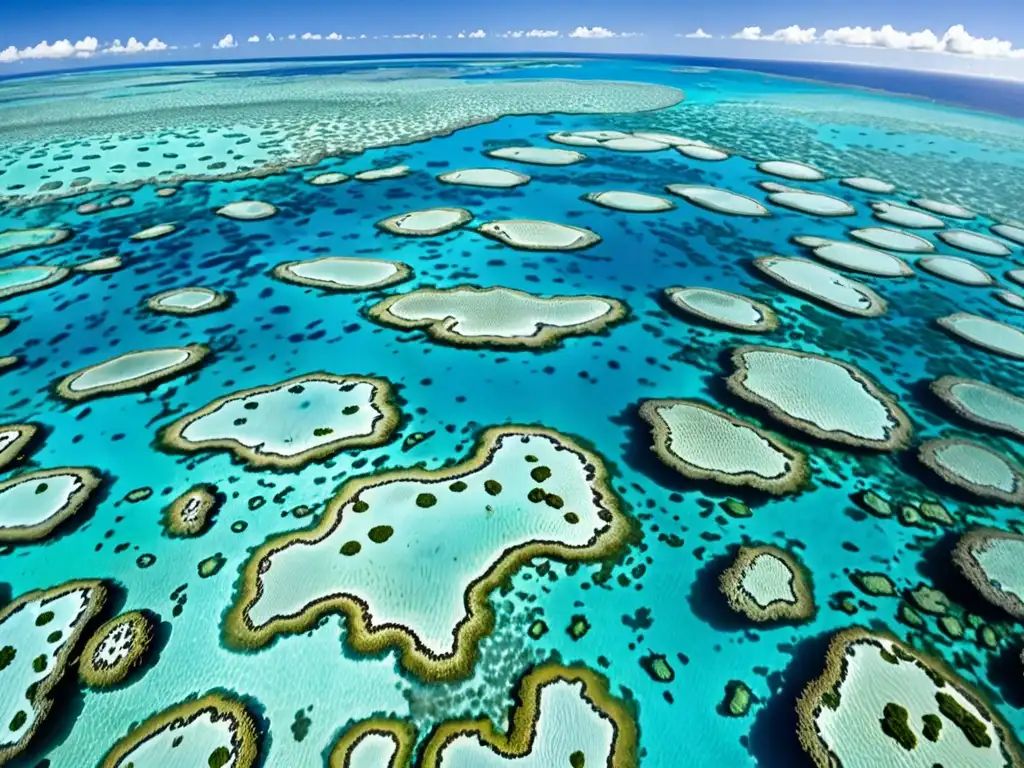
<point>563,716</point>
<point>1011,232</point>
<point>956,270</point>
<point>214,730</point>
<point>901,216</point>
<point>191,513</point>
<point>14,441</point>
<point>154,232</point>
<point>193,300</point>
<point>791,169</point>
<point>952,210</point>
<point>381,174</point>
<point>15,281</point>
<point>718,200</point>
<point>990,560</point>
<point>730,310</point>
<point>537,235</point>
<point>700,152</point>
<point>989,335</point>
<point>975,468</point>
<point>375,743</point>
<point>629,202</point>
<point>131,372</point>
<point>33,504</point>
<point>537,155</point>
<point>287,425</point>
<point>973,242</point>
<point>343,273</point>
<point>39,633</point>
<point>704,443</point>
<point>868,184</point>
<point>411,560</point>
<point>115,650</point>
<point>498,317</point>
<point>823,285</point>
<point>820,396</point>
<point>881,702</point>
<point>428,222</point>
<point>768,584</point>
<point>247,210</point>
<point>488,178</point>
<point>15,240</point>
<point>858,258</point>
<point>982,404</point>
<point>812,203</point>
<point>892,239</point>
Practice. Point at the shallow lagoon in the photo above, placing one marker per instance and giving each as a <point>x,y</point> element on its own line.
<point>589,388</point>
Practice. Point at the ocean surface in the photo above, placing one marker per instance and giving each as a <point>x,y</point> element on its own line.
<point>948,139</point>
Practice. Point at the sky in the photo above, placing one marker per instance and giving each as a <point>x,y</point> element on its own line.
<point>985,37</point>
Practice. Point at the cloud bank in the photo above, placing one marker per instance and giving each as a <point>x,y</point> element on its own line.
<point>83,49</point>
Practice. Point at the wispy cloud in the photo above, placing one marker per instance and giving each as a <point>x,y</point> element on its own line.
<point>477,35</point>
<point>228,41</point>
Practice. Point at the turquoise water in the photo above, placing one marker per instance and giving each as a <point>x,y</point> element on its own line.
<point>661,595</point>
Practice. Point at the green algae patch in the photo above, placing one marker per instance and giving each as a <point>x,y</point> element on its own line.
<point>498,317</point>
<point>290,424</point>
<point>767,584</point>
<point>537,235</point>
<point>874,584</point>
<point>990,560</point>
<point>34,504</point>
<point>989,335</point>
<point>131,372</point>
<point>823,285</point>
<point>930,600</point>
<point>191,513</point>
<point>874,503</point>
<point>471,553</point>
<point>578,627</point>
<point>214,730</point>
<point>866,708</point>
<point>730,310</point>
<point>982,404</point>
<point>719,200</point>
<point>247,210</point>
<point>375,743</point>
<point>188,301</point>
<point>343,273</point>
<point>703,443</point>
<point>825,398</point>
<point>738,698</point>
<point>211,566</point>
<point>25,684</point>
<point>15,281</point>
<point>975,468</point>
<point>549,698</point>
<point>657,666</point>
<point>428,222</point>
<point>116,650</point>
<point>15,440</point>
<point>15,240</point>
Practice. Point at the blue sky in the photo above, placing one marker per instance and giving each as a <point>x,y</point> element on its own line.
<point>979,38</point>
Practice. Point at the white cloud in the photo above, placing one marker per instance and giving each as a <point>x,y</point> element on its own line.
<point>334,36</point>
<point>478,35</point>
<point>254,39</point>
<point>134,46</point>
<point>270,37</point>
<point>291,37</point>
<point>412,36</point>
<point>543,33</point>
<point>592,32</point>
<point>794,35</point>
<point>228,41</point>
<point>748,33</point>
<point>61,49</point>
<point>700,34</point>
<point>311,36</point>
